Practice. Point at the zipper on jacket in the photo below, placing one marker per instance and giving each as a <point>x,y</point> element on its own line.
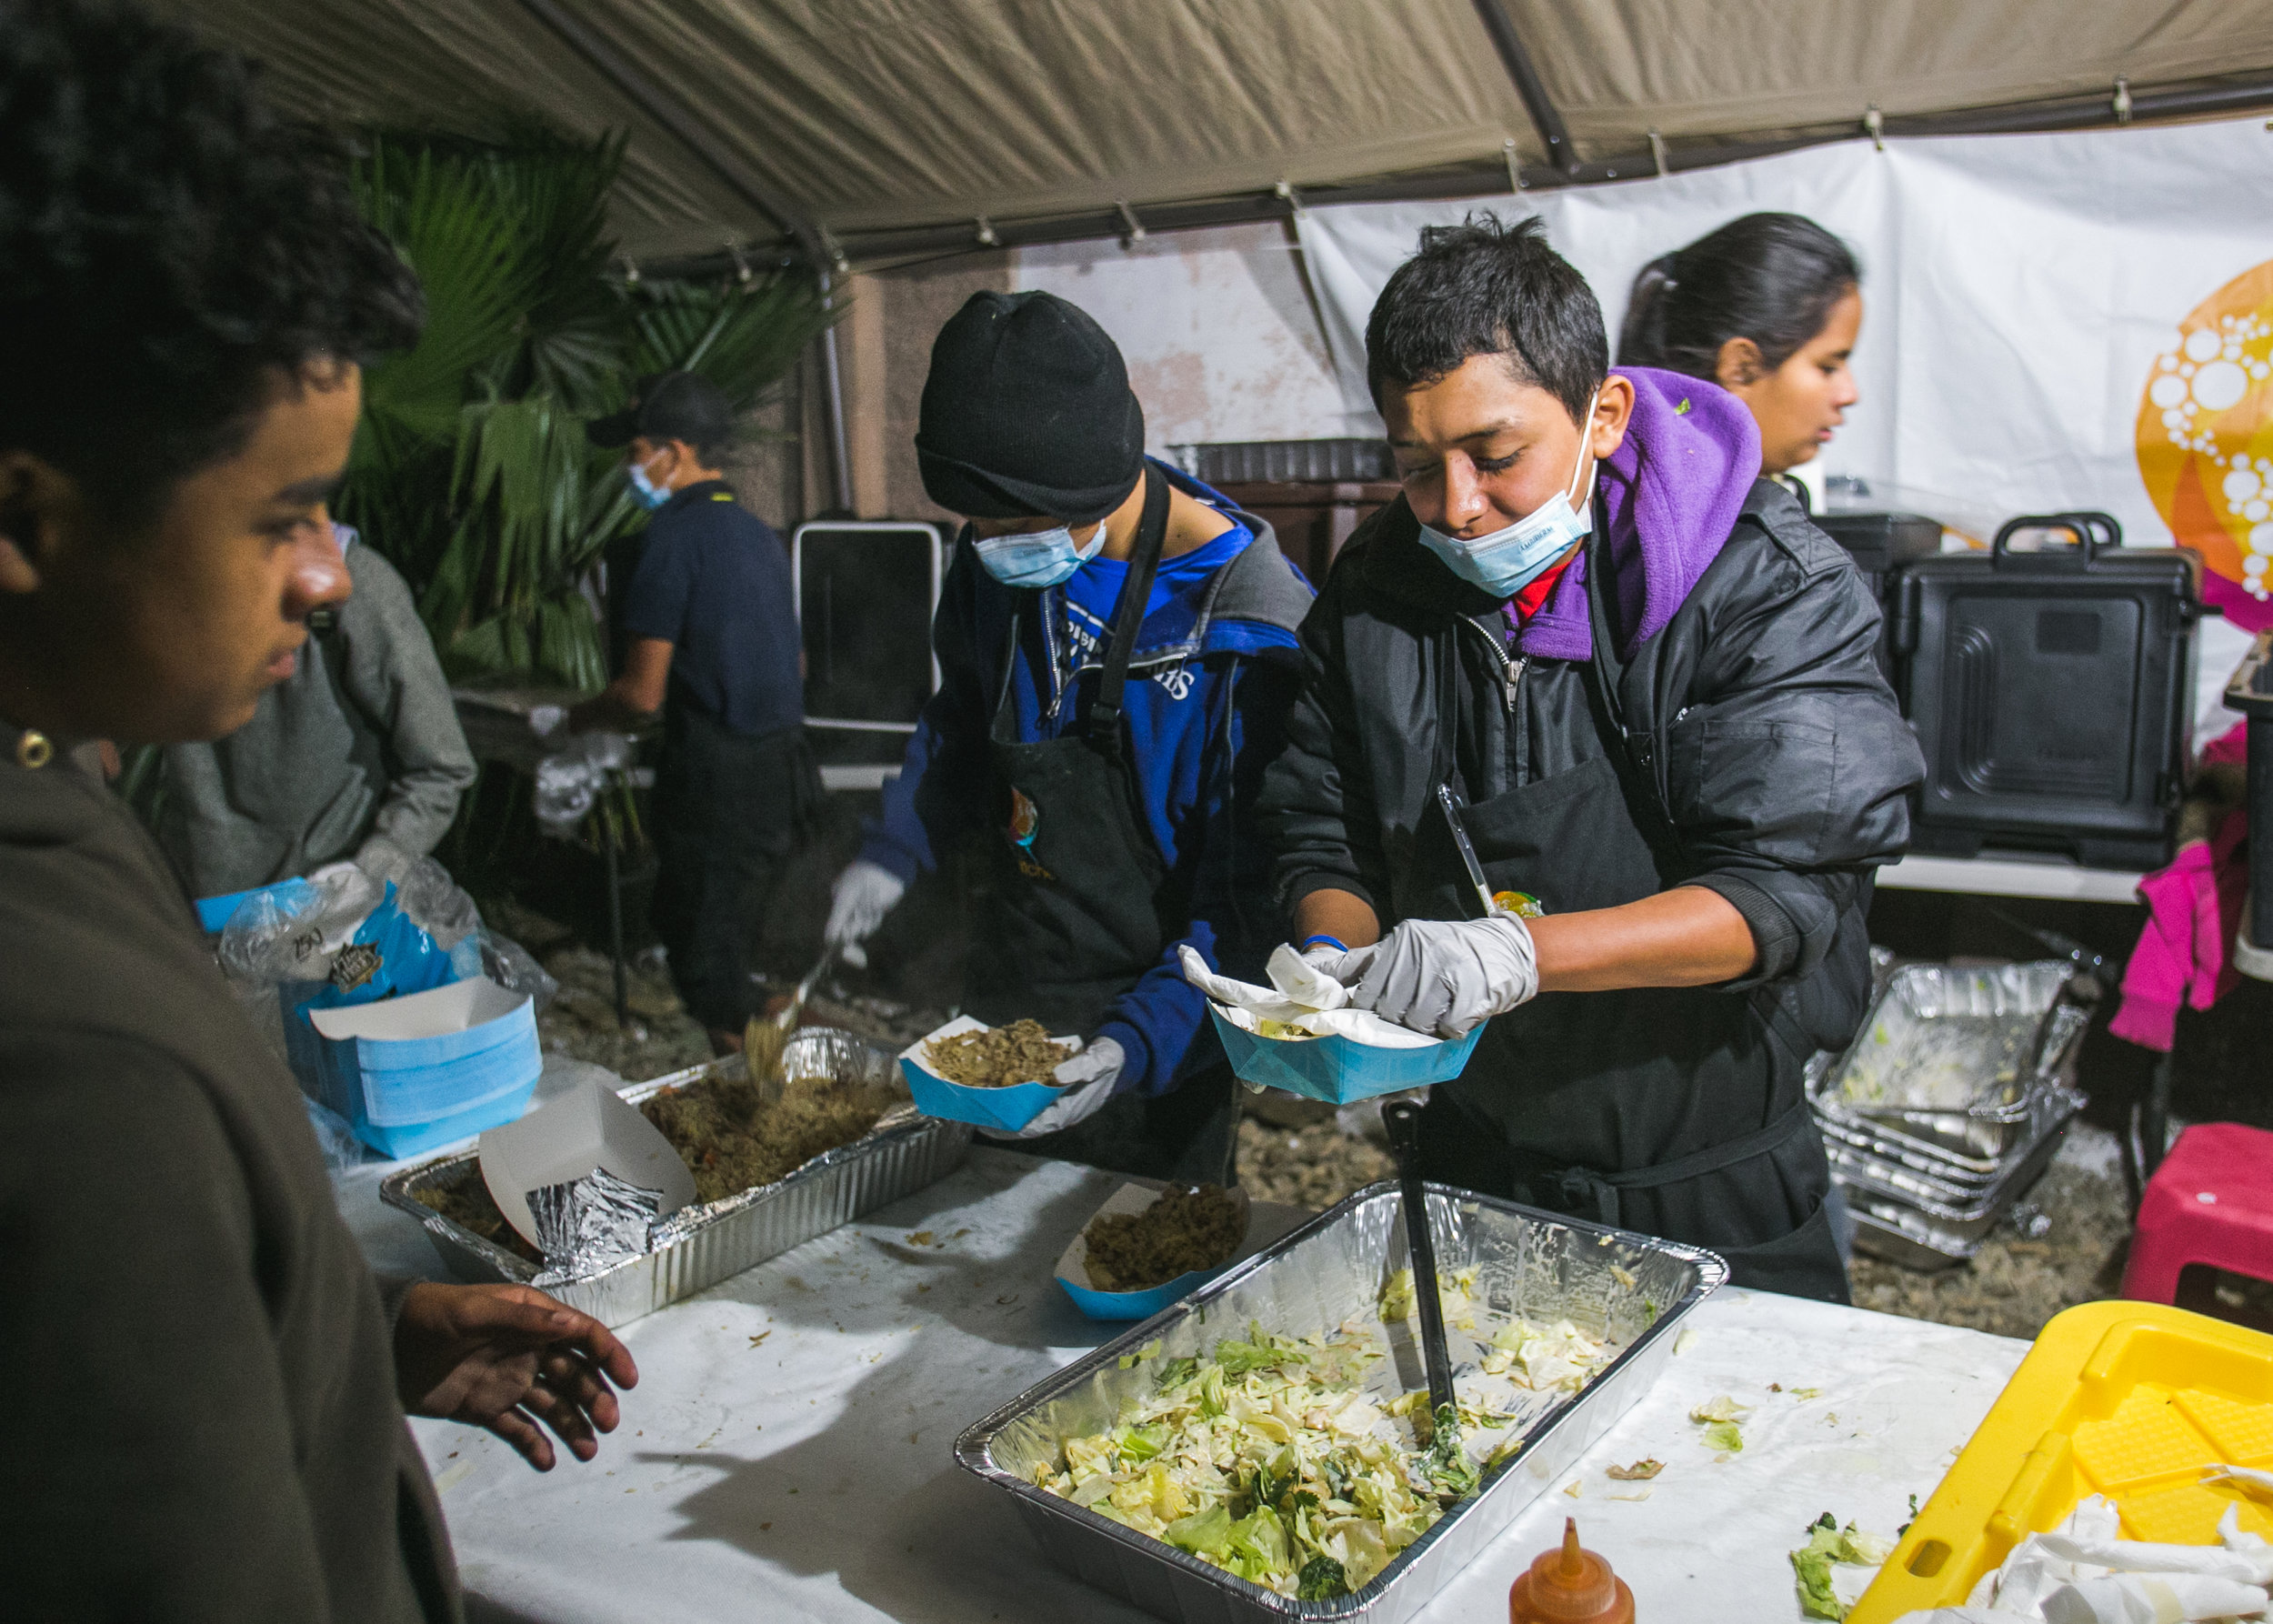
<point>1511,667</point>
<point>1508,767</point>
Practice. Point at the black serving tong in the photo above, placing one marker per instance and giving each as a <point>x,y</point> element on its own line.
<point>1402,1117</point>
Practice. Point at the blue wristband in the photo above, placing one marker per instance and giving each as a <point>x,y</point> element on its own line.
<point>1334,942</point>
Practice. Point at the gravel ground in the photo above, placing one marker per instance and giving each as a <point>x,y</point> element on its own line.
<point>2063,1246</point>
<point>1311,1164</point>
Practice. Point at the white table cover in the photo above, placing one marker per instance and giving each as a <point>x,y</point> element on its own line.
<point>788,1452</point>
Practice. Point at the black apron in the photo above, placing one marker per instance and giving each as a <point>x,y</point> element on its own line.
<point>1674,1111</point>
<point>1078,912</point>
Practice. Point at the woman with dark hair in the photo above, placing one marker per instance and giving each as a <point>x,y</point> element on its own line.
<point>1767,306</point>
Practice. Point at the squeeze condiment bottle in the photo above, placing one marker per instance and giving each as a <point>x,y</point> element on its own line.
<point>1570,1586</point>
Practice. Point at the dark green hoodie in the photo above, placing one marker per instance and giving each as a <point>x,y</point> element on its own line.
<point>202,1422</point>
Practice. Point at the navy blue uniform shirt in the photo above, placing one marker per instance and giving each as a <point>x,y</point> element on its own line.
<point>714,583</point>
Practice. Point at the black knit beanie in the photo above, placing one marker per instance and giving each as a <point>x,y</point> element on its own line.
<point>1027,412</point>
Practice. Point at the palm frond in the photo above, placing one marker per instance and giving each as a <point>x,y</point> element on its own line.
<point>474,263</point>
<point>472,471</point>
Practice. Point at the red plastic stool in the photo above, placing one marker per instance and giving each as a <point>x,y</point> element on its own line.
<point>2211,1201</point>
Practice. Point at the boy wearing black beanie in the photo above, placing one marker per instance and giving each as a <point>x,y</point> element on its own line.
<point>1116,653</point>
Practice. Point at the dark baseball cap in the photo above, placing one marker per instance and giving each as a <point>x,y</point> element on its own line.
<point>669,405</point>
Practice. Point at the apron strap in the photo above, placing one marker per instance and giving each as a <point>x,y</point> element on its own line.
<point>1640,745</point>
<point>1579,1185</point>
<point>1128,617</point>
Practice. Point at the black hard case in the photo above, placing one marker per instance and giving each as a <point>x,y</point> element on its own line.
<point>1880,544</point>
<point>2051,692</point>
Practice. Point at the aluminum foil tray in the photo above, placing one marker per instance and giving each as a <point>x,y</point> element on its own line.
<point>1954,1060</point>
<point>1908,1242</point>
<point>704,1245</point>
<point>1954,1230</point>
<point>1331,1270</point>
<point>2049,1106</point>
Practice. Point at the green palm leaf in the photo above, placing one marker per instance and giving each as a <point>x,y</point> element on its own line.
<point>473,472</point>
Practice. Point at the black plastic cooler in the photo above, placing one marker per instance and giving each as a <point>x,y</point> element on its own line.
<point>2052,691</point>
<point>1881,544</point>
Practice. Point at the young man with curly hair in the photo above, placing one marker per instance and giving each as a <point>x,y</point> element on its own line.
<point>208,1386</point>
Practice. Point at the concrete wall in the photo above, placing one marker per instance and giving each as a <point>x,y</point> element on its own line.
<point>1219,328</point>
<point>1222,336</point>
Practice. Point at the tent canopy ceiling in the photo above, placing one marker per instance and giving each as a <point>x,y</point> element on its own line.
<point>892,125</point>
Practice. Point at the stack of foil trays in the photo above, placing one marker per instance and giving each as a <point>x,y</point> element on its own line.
<point>1950,1102</point>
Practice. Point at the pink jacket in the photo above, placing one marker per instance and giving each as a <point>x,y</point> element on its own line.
<point>2194,909</point>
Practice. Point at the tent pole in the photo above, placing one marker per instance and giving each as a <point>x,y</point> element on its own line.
<point>833,409</point>
<point>1525,78</point>
<point>666,110</point>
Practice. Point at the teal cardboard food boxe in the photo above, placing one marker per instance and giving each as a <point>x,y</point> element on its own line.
<point>414,1072</point>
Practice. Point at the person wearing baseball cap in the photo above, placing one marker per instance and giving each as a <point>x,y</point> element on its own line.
<point>707,631</point>
<point>1117,655</point>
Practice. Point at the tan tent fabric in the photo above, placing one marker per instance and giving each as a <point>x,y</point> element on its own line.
<point>862,115</point>
<point>1615,68</point>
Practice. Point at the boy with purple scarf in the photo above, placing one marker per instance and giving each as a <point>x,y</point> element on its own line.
<point>1646,683</point>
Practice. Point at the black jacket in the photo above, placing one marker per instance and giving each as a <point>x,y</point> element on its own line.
<point>1763,753</point>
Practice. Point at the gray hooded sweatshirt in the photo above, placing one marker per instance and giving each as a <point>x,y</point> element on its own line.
<point>358,746</point>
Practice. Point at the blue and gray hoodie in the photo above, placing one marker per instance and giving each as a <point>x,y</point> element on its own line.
<point>1215,672</point>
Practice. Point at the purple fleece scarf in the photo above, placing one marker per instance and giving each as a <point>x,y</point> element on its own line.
<point>1671,494</point>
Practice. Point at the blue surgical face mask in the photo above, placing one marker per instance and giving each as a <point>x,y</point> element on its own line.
<point>1038,557</point>
<point>651,495</point>
<point>1509,559</point>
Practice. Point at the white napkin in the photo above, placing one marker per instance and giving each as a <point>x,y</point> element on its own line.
<point>2083,1573</point>
<point>1246,1006</point>
<point>2151,1598</point>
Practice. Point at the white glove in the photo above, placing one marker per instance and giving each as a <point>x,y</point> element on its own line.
<point>1088,1080</point>
<point>858,901</point>
<point>1442,975</point>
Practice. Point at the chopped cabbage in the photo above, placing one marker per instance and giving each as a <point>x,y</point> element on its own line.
<point>1829,1543</point>
<point>1269,1460</point>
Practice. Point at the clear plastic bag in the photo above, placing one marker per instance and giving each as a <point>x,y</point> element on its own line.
<point>571,778</point>
<point>436,903</point>
<point>342,1151</point>
<point>292,932</point>
<point>484,952</point>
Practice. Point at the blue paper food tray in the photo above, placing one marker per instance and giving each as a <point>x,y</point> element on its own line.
<point>440,1066</point>
<point>1006,1110</point>
<point>1338,1070</point>
<point>1136,1305</point>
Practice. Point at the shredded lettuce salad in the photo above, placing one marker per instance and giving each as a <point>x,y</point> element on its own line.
<point>1269,1460</point>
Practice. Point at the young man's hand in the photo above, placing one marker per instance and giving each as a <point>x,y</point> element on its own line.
<point>505,1358</point>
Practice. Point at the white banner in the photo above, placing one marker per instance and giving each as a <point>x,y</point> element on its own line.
<point>2080,320</point>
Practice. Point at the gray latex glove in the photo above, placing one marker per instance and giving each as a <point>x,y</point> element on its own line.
<point>864,893</point>
<point>1088,1080</point>
<point>1442,975</point>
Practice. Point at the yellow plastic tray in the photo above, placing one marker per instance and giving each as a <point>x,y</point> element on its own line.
<point>2127,1399</point>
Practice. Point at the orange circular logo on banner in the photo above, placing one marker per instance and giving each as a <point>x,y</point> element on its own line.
<point>2206,439</point>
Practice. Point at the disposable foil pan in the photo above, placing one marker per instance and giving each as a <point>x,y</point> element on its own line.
<point>1908,1242</point>
<point>701,1245</point>
<point>1949,1226</point>
<point>2050,1104</point>
<point>1953,1058</point>
<point>1536,1264</point>
<point>1909,1175</point>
